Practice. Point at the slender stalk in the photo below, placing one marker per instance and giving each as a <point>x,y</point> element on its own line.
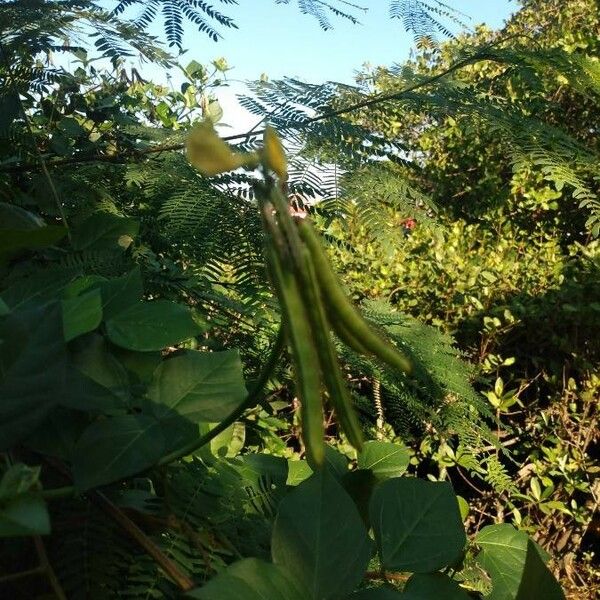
<point>21,575</point>
<point>56,493</point>
<point>47,567</point>
<point>184,582</point>
<point>250,402</point>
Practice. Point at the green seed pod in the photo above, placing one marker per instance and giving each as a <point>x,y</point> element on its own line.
<point>302,344</point>
<point>332,374</point>
<point>343,311</point>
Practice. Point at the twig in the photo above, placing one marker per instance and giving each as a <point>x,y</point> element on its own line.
<point>115,513</point>
<point>184,582</point>
<point>47,568</point>
<point>21,575</point>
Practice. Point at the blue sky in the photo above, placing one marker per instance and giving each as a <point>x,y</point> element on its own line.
<point>277,40</point>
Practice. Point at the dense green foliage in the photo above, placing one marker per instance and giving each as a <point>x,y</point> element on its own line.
<point>153,431</point>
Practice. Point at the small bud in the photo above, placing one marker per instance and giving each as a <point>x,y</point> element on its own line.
<point>273,153</point>
<point>210,154</point>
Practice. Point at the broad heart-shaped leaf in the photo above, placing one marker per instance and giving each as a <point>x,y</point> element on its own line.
<point>120,293</point>
<point>97,380</point>
<point>81,314</point>
<point>58,434</point>
<point>426,586</point>
<point>13,241</point>
<point>515,565</point>
<point>417,524</point>
<point>148,326</point>
<point>202,386</point>
<point>105,231</point>
<point>320,539</point>
<point>33,368</point>
<point>384,459</point>
<point>251,579</point>
<point>111,449</point>
<point>24,515</point>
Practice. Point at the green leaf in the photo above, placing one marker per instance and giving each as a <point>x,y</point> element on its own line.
<point>336,461</point>
<point>33,370</point>
<point>17,480</point>
<point>111,449</point>
<point>22,512</point>
<point>117,447</point>
<point>36,289</point>
<point>139,364</point>
<point>320,539</point>
<point>148,326</point>
<point>121,293</point>
<point>425,586</point>
<point>13,241</point>
<point>417,524</point>
<point>15,217</point>
<point>81,314</point>
<point>25,515</point>
<point>359,484</point>
<point>384,459</point>
<point>463,507</point>
<point>105,231</point>
<point>58,434</point>
<point>97,380</point>
<point>298,471</point>
<point>515,565</point>
<point>251,579</point>
<point>229,442</point>
<point>201,386</point>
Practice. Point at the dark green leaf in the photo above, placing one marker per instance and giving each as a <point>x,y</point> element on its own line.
<point>15,217</point>
<point>58,434</point>
<point>359,485</point>
<point>21,511</point>
<point>33,370</point>
<point>251,579</point>
<point>515,565</point>
<point>25,515</point>
<point>36,289</point>
<point>417,524</point>
<point>98,381</point>
<point>320,539</point>
<point>121,293</point>
<point>153,325</point>
<point>336,462</point>
<point>13,241</point>
<point>425,586</point>
<point>202,386</point>
<point>114,448</point>
<point>105,231</point>
<point>384,458</point>
<point>81,314</point>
